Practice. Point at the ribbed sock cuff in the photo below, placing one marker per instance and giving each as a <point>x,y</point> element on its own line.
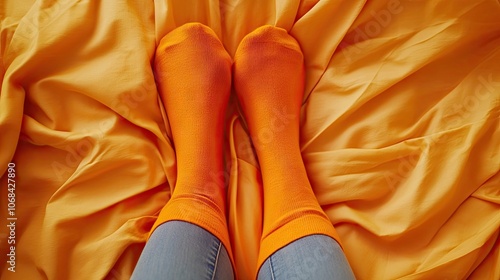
<point>199,211</point>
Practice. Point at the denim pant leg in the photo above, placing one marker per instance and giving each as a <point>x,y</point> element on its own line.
<point>181,250</point>
<point>316,257</point>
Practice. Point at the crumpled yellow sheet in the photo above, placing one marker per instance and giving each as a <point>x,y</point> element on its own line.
<point>400,132</point>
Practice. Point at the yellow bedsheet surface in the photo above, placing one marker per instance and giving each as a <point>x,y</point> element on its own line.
<point>400,132</point>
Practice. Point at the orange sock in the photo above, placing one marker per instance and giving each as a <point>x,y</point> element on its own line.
<point>194,78</point>
<point>269,81</point>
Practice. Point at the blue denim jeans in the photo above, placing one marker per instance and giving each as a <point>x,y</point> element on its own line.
<point>180,250</point>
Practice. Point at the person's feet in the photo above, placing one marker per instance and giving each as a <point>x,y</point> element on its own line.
<point>193,73</point>
<point>269,81</point>
<point>268,75</point>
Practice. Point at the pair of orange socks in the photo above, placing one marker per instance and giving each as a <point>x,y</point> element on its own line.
<point>194,77</point>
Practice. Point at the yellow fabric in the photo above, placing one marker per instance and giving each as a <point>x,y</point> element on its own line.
<point>400,132</point>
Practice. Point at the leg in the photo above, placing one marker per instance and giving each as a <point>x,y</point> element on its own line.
<point>180,250</point>
<point>269,81</point>
<point>311,257</point>
<point>193,73</point>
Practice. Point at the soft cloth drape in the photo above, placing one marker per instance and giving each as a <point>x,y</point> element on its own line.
<point>400,132</point>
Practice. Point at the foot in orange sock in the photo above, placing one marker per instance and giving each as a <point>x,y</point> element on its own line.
<point>193,73</point>
<point>268,75</point>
